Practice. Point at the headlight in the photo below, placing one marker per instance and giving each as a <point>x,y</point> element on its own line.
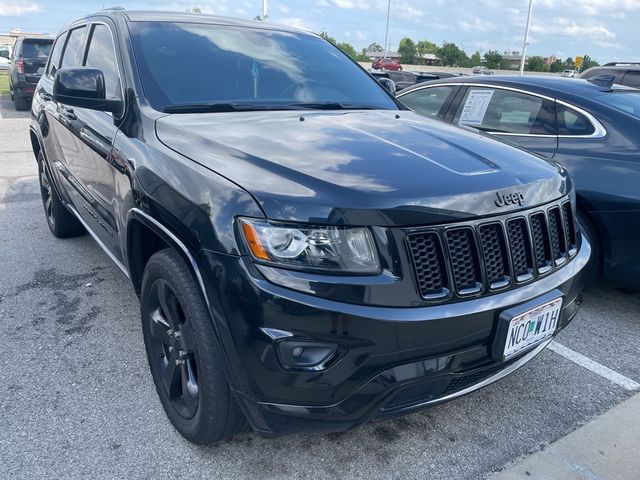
<point>334,249</point>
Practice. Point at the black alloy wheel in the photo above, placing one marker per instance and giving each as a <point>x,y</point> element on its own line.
<point>186,362</point>
<point>46,191</point>
<point>62,223</point>
<point>173,349</point>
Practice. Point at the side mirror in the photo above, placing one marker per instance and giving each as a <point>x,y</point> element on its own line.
<point>388,84</point>
<point>4,54</point>
<point>83,87</point>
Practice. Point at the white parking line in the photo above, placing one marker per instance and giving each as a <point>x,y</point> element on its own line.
<point>594,366</point>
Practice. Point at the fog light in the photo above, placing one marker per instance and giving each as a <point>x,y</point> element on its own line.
<point>306,355</point>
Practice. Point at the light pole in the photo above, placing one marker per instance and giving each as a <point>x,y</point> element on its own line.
<point>264,10</point>
<point>386,32</point>
<point>526,38</point>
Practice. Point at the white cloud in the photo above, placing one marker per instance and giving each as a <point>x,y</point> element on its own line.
<point>283,8</point>
<point>611,45</point>
<point>477,24</point>
<point>16,8</point>
<point>564,27</point>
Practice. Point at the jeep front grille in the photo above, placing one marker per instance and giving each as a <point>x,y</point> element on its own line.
<point>487,256</point>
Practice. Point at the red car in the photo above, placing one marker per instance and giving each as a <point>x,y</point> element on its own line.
<point>386,64</point>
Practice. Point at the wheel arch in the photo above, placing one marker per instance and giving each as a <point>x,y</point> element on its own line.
<point>36,143</point>
<point>144,236</point>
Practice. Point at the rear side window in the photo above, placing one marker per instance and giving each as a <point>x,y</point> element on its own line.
<point>72,56</point>
<point>505,111</point>
<point>35,48</point>
<point>54,60</point>
<point>572,123</point>
<point>101,55</point>
<point>428,101</point>
<point>632,79</point>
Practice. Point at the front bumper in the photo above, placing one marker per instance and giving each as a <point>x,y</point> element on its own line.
<point>391,361</point>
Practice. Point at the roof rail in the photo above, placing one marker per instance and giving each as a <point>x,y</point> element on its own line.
<point>117,7</point>
<point>621,64</point>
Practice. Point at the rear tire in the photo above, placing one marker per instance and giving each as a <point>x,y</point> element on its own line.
<point>592,270</point>
<point>21,103</point>
<point>62,223</point>
<point>185,360</point>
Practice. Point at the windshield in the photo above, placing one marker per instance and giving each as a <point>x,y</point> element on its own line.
<point>185,64</point>
<point>36,48</point>
<point>623,101</point>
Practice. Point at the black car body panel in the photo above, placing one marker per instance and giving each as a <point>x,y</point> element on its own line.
<point>191,179</point>
<point>604,165</point>
<point>349,179</point>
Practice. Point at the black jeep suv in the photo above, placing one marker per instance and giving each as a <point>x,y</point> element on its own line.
<point>309,255</point>
<point>28,59</point>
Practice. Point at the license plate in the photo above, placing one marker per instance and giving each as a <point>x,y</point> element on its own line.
<point>532,327</point>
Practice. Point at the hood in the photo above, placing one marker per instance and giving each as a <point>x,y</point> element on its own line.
<point>363,167</point>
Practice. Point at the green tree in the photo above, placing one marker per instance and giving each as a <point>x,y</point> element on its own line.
<point>557,66</point>
<point>194,10</point>
<point>588,62</point>
<point>505,64</point>
<point>452,56</point>
<point>407,50</point>
<point>348,49</point>
<point>375,47</point>
<point>536,64</point>
<point>476,59</point>
<point>570,63</point>
<point>328,37</point>
<point>425,46</point>
<point>493,59</point>
<point>362,56</point>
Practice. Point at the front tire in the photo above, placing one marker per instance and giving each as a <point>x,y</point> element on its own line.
<point>62,223</point>
<point>592,270</point>
<point>185,360</point>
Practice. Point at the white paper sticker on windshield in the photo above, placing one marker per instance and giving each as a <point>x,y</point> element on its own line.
<point>475,107</point>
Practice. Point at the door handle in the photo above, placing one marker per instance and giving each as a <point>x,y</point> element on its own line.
<point>67,112</point>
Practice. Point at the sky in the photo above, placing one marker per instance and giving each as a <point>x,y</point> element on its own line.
<point>606,30</point>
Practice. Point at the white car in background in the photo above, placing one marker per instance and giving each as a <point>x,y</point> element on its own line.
<point>569,73</point>
<point>5,53</point>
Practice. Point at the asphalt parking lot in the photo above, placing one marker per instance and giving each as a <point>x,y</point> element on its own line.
<point>77,399</point>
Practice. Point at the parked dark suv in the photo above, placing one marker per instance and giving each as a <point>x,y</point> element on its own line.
<point>28,59</point>
<point>309,255</point>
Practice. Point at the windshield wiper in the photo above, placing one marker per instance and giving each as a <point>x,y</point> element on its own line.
<point>221,107</point>
<point>334,106</point>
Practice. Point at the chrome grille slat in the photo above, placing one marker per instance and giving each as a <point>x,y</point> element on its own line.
<point>475,258</point>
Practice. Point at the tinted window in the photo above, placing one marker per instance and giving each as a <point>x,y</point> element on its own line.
<point>505,111</point>
<point>632,79</point>
<point>598,72</point>
<point>428,101</point>
<point>36,48</point>
<point>201,63</point>
<point>102,56</point>
<point>571,122</point>
<point>72,56</point>
<point>54,60</point>
<point>626,102</point>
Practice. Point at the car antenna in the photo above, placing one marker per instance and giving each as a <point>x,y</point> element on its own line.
<point>603,80</point>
